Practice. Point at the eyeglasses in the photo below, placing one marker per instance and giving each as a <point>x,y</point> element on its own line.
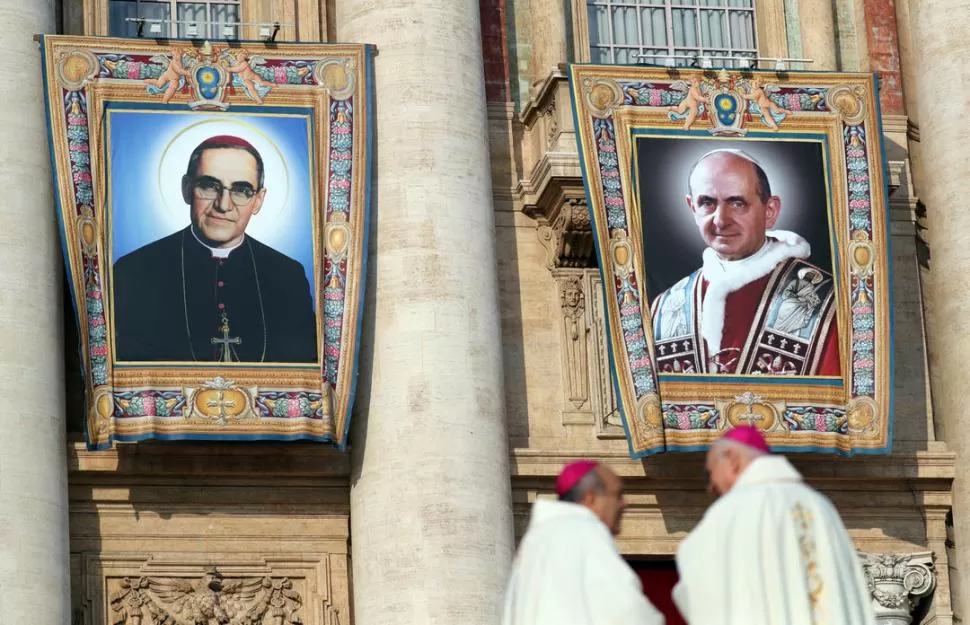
<point>208,188</point>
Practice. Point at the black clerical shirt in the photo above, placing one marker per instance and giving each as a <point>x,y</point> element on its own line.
<point>172,296</point>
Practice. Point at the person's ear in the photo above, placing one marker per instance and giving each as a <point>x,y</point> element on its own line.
<point>258,200</point>
<point>187,189</point>
<point>772,211</point>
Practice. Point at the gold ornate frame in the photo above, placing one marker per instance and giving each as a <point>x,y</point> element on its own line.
<point>684,412</point>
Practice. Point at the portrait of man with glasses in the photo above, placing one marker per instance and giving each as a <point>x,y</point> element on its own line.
<point>210,292</point>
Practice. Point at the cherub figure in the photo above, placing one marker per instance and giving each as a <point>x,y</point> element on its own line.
<point>172,78</point>
<point>690,107</point>
<point>771,113</point>
<point>245,75</point>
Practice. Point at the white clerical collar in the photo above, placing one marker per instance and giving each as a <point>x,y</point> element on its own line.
<point>726,276</point>
<point>217,252</point>
<point>768,469</point>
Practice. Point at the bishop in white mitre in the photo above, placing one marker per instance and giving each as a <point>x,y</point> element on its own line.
<point>771,550</point>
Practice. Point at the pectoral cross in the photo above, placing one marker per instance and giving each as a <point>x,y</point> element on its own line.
<point>225,341</point>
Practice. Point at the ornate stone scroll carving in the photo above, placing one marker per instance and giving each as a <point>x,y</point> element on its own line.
<point>210,599</point>
<point>567,235</point>
<point>898,582</point>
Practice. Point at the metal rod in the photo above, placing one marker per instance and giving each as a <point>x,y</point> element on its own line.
<point>151,20</point>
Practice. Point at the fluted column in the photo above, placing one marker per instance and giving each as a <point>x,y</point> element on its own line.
<point>943,87</point>
<point>34,565</point>
<point>431,527</point>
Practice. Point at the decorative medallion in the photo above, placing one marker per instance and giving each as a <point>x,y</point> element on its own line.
<point>220,401</point>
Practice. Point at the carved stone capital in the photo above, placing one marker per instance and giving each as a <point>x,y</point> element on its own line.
<point>898,582</point>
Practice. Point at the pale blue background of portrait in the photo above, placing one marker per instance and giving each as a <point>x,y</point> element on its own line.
<point>143,209</point>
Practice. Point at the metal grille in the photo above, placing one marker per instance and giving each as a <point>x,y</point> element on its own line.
<point>620,31</point>
<point>209,18</point>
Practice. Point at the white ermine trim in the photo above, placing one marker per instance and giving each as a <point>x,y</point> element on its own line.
<point>726,276</point>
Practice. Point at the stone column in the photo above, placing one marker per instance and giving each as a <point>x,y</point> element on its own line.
<point>943,87</point>
<point>34,563</point>
<point>818,33</point>
<point>549,34</point>
<point>898,582</point>
<point>431,524</point>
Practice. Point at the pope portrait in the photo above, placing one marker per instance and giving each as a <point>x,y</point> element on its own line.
<point>211,292</point>
<point>756,306</point>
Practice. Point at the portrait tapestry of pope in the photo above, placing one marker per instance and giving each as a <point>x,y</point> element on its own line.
<point>756,306</point>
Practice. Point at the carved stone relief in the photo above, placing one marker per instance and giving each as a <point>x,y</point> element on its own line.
<point>575,346</point>
<point>588,396</point>
<point>575,330</point>
<point>898,582</point>
<point>206,600</point>
<point>552,123</point>
<point>120,590</point>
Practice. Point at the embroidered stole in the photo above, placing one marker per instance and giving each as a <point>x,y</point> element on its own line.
<point>792,320</point>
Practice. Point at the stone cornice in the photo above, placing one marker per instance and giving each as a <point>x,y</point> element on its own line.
<point>541,93</point>
<point>928,469</point>
<point>209,460</point>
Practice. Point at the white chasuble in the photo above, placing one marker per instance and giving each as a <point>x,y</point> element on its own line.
<point>772,551</point>
<point>568,572</point>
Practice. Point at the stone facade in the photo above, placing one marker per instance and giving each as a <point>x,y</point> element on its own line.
<point>354,536</point>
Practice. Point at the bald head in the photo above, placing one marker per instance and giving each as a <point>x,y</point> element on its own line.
<point>731,202</point>
<point>726,461</point>
<point>733,156</point>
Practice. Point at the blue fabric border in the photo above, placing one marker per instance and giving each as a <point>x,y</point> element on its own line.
<point>599,256</point>
<point>59,211</point>
<point>368,70</point>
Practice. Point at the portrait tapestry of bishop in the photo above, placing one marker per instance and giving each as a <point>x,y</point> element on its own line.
<point>211,292</point>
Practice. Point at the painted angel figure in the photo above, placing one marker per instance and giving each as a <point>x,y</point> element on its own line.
<point>242,66</point>
<point>693,103</point>
<point>770,112</point>
<point>172,79</point>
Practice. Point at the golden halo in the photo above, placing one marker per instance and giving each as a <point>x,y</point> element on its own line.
<point>250,133</point>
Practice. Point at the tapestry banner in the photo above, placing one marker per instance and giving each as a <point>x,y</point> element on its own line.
<point>741,226</point>
<point>213,203</point>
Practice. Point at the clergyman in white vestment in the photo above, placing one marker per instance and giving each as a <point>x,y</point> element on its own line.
<point>771,550</point>
<point>568,570</point>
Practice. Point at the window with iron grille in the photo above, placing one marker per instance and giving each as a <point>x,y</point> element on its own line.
<point>620,31</point>
<point>209,18</point>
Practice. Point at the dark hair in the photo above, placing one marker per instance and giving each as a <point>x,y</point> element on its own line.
<point>196,156</point>
<point>589,482</point>
<point>763,187</point>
